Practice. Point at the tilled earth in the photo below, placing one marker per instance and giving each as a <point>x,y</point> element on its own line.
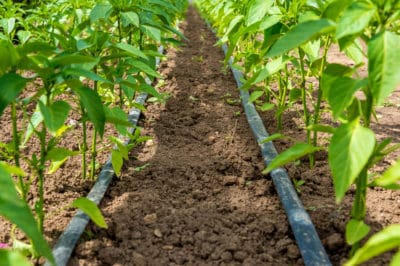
<point>194,194</point>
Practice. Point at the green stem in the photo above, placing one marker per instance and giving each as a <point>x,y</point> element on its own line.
<point>317,110</point>
<point>84,147</point>
<point>16,152</point>
<point>306,113</point>
<point>94,140</point>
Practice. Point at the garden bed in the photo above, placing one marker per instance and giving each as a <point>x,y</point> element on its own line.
<point>194,194</point>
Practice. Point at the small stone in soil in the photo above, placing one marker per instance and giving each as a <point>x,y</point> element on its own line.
<point>229,180</point>
<point>293,251</point>
<point>240,255</point>
<point>150,218</point>
<point>226,256</point>
<point>157,233</point>
<point>199,195</point>
<point>138,259</point>
<point>334,241</point>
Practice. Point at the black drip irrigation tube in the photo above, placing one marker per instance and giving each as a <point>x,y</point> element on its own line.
<point>65,245</point>
<point>307,239</point>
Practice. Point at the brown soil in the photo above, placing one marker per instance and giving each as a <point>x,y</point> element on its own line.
<point>199,198</point>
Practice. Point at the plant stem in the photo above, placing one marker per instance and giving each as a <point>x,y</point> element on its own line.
<point>317,110</point>
<point>84,144</point>
<point>306,113</point>
<point>16,151</point>
<point>94,140</point>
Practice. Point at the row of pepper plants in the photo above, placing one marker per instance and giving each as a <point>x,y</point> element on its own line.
<point>282,47</point>
<point>90,58</point>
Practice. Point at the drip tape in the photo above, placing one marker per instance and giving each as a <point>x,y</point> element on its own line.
<point>306,236</point>
<point>66,243</point>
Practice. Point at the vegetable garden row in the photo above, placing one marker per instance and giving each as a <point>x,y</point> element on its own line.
<point>86,61</point>
<point>63,61</point>
<point>281,47</point>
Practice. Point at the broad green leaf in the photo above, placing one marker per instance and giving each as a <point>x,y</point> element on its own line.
<point>255,95</point>
<point>150,90</point>
<point>300,34</point>
<point>349,151</point>
<point>294,95</point>
<point>266,71</point>
<point>69,59</point>
<point>132,50</point>
<point>233,23</point>
<point>335,8</point>
<point>34,122</point>
<point>92,103</point>
<point>57,156</point>
<point>117,161</point>
<point>355,18</point>
<point>143,67</point>
<point>12,257</point>
<point>293,153</point>
<point>390,176</point>
<point>355,231</point>
<point>355,52</point>
<point>341,92</point>
<point>8,25</point>
<point>267,107</point>
<point>273,137</point>
<point>396,259</point>
<point>80,72</point>
<point>90,209</point>
<point>130,18</point>
<point>385,240</point>
<point>119,119</point>
<point>384,65</point>
<point>9,56</point>
<point>153,32</point>
<point>17,212</point>
<point>23,36</point>
<point>321,128</point>
<point>10,86</point>
<point>257,10</point>
<point>54,115</point>
<point>100,11</point>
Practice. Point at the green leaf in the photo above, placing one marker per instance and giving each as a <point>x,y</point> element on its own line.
<point>34,122</point>
<point>152,32</point>
<point>117,161</point>
<point>54,115</point>
<point>119,119</point>
<point>273,137</point>
<point>257,10</point>
<point>340,93</point>
<point>144,68</point>
<point>266,71</point>
<point>300,34</point>
<point>9,56</point>
<point>91,101</point>
<point>11,257</point>
<point>80,72</point>
<point>132,50</point>
<point>255,95</point>
<point>355,18</point>
<point>395,259</point>
<point>8,25</point>
<point>130,18</point>
<point>321,128</point>
<point>385,240</point>
<point>10,86</point>
<point>100,11</point>
<point>294,95</point>
<point>355,231</point>
<point>349,151</point>
<point>293,153</point>
<point>384,64</point>
<point>58,156</point>
<point>17,212</point>
<point>90,209</point>
<point>150,90</point>
<point>68,59</point>
<point>267,107</point>
<point>390,176</point>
